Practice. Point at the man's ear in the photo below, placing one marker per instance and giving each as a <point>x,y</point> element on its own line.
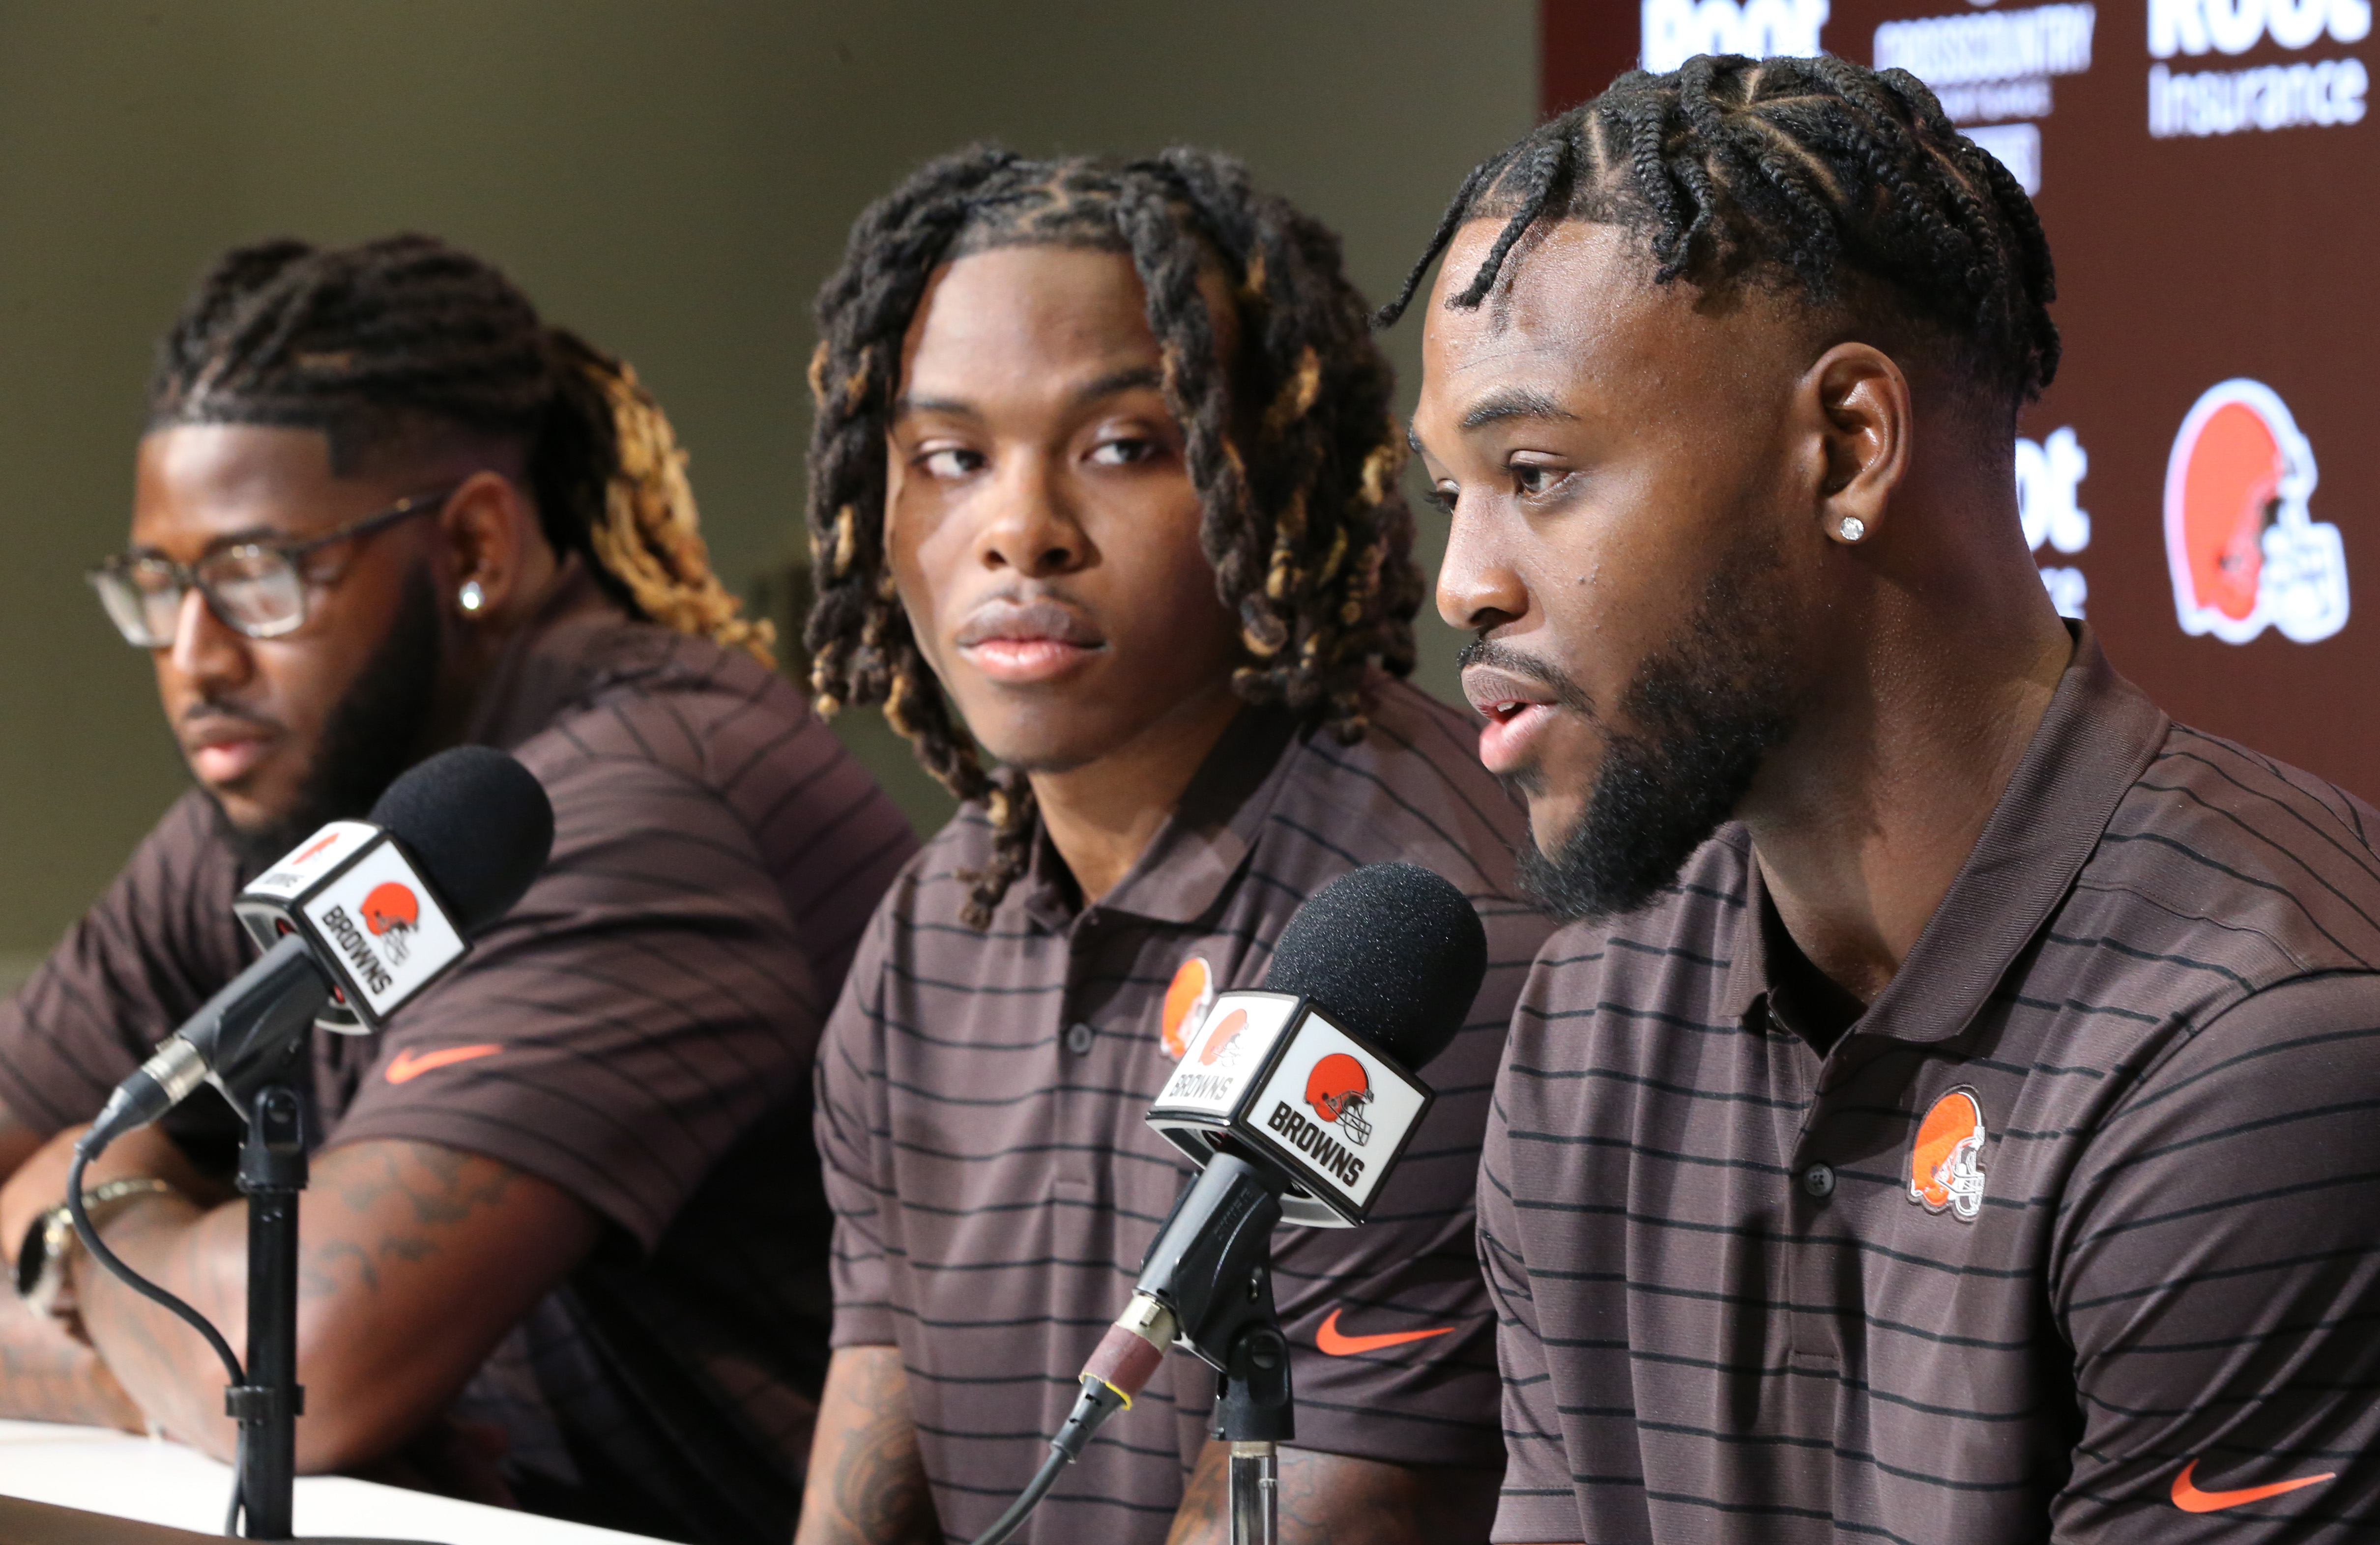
<point>1858,407</point>
<point>496,559</point>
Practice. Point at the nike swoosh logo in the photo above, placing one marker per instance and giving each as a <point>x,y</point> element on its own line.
<point>2190,1499</point>
<point>1330,1339</point>
<point>410,1065</point>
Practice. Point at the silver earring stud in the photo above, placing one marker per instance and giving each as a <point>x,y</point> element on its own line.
<point>471,597</point>
<point>1851,529</point>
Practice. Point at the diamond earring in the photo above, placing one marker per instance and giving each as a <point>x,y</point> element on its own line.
<point>471,597</point>
<point>1851,529</point>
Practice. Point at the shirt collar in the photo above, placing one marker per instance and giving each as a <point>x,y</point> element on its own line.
<point>1202,844</point>
<point>2099,734</point>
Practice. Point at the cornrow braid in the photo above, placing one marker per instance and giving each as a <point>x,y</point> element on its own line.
<point>1290,443</point>
<point>373,341</point>
<point>1817,171</point>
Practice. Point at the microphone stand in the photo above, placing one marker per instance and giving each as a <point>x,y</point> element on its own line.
<point>1216,1277</point>
<point>273,1171</point>
<point>1255,1412</point>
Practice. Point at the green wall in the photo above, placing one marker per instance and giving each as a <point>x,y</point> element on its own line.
<point>673,179</point>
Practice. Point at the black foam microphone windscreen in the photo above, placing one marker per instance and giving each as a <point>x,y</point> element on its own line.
<point>1390,951</point>
<point>479,823</point>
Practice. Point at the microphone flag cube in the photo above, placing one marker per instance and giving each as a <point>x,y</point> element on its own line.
<point>366,911</point>
<point>1269,1077</point>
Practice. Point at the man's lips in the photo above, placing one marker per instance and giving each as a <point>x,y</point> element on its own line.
<point>222,749</point>
<point>1028,641</point>
<point>1516,708</point>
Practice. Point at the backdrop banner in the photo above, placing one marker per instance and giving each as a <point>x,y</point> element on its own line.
<point>2201,481</point>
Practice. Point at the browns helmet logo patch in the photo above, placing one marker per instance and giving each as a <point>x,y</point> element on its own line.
<point>1945,1159</point>
<point>1186,1002</point>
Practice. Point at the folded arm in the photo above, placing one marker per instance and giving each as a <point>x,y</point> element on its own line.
<point>414,1260</point>
<point>45,1373</point>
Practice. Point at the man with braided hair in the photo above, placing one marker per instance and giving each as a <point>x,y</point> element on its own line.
<point>565,1242</point>
<point>1104,503</point>
<point>1950,1118</point>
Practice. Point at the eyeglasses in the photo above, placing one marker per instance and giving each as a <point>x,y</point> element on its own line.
<point>256,588</point>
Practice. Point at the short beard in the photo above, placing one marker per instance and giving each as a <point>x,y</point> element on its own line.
<point>374,733</point>
<point>1707,708</point>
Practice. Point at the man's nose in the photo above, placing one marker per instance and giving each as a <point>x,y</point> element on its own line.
<point>1032,525</point>
<point>1479,586</point>
<point>205,650</point>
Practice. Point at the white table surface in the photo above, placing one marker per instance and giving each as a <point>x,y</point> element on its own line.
<point>160,1482</point>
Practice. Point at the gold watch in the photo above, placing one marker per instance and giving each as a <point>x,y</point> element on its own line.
<point>50,1239</point>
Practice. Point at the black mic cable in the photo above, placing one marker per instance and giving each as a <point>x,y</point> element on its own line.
<point>1099,1401</point>
<point>122,1271</point>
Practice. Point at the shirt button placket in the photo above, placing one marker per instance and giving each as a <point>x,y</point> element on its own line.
<point>1073,1109</point>
<point>1813,1335</point>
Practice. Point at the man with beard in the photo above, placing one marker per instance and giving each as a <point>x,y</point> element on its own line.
<point>1104,485</point>
<point>1951,1118</point>
<point>565,1241</point>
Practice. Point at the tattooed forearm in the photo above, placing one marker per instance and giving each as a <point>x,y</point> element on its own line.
<point>1328,1499</point>
<point>866,1480</point>
<point>413,1261</point>
<point>47,1375</point>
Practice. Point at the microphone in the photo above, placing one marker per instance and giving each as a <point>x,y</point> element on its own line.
<point>365,913</point>
<point>1297,1099</point>
<point>1311,1076</point>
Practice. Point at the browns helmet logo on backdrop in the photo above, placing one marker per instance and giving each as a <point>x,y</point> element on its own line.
<point>2245,550</point>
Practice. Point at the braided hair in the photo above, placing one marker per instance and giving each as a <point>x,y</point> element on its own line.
<point>1291,444</point>
<point>375,342</point>
<point>1818,173</point>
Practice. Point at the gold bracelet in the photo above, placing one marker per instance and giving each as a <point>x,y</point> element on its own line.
<point>42,1260</point>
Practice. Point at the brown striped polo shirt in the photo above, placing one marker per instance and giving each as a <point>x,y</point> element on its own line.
<point>639,1031</point>
<point>980,1113</point>
<point>2073,1234</point>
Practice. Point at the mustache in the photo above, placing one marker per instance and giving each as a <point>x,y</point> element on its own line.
<point>218,707</point>
<point>1500,656</point>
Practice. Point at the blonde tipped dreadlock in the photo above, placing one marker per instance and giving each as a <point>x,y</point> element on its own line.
<point>649,538</point>
<point>1311,542</point>
<point>368,342</point>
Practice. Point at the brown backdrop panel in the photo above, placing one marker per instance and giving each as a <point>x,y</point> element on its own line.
<point>2183,261</point>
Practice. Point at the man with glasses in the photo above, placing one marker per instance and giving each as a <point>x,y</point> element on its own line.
<point>566,1243</point>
